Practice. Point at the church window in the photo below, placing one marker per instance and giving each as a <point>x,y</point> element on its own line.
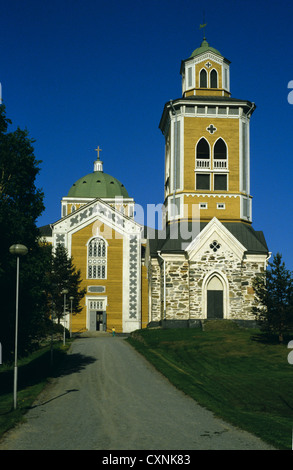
<point>214,79</point>
<point>215,246</point>
<point>220,182</point>
<point>189,109</point>
<point>203,181</point>
<point>234,111</point>
<point>202,153</point>
<point>203,79</point>
<point>189,77</point>
<point>220,154</point>
<point>220,150</point>
<point>203,149</point>
<point>97,259</point>
<point>211,109</point>
<point>222,110</point>
<point>201,109</point>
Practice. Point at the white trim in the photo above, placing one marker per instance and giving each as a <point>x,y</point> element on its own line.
<point>94,298</point>
<point>227,155</point>
<point>187,69</point>
<point>210,72</point>
<point>180,121</point>
<point>215,226</point>
<point>210,155</point>
<point>97,236</point>
<point>217,172</point>
<point>171,215</point>
<point>203,205</point>
<point>208,78</point>
<point>206,172</point>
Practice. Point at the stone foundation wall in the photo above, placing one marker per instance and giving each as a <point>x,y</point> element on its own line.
<point>177,290</point>
<point>154,276</point>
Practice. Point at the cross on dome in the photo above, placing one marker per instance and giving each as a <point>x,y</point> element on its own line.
<point>98,150</point>
<point>98,164</point>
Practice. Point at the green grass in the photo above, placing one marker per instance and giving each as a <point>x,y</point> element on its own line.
<point>231,371</point>
<point>34,372</point>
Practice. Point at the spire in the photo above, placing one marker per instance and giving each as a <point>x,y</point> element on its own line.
<point>98,164</point>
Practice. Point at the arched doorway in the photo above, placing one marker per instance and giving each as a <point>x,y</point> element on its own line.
<point>215,298</point>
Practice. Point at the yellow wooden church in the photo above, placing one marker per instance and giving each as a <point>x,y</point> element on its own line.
<point>202,264</point>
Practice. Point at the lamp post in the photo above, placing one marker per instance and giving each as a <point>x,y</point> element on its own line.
<point>17,250</point>
<point>71,300</point>
<point>64,292</point>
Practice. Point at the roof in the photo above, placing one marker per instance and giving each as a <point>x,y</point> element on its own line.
<point>97,185</point>
<point>254,241</point>
<point>45,231</point>
<point>204,47</point>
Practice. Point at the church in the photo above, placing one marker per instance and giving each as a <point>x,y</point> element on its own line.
<point>201,265</point>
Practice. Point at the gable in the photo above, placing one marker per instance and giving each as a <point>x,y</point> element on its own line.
<point>101,215</point>
<point>215,238</point>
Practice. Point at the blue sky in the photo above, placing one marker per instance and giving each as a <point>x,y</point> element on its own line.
<point>83,73</point>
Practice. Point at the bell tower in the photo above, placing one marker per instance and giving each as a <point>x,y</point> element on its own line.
<point>207,151</point>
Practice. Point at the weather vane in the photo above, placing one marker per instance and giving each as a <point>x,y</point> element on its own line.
<point>203,26</point>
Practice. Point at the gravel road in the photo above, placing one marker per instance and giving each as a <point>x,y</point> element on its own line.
<point>108,397</point>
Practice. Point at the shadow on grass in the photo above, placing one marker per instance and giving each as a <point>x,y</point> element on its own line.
<point>267,338</point>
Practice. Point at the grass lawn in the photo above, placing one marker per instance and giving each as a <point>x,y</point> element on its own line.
<point>231,371</point>
<point>33,374</point>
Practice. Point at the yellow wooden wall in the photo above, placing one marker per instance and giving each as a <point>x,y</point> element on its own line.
<point>113,283</point>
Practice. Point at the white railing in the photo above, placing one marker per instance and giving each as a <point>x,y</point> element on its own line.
<point>203,163</point>
<point>220,164</point>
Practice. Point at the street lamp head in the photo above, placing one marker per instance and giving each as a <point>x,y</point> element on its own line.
<point>64,291</point>
<point>71,298</point>
<point>18,250</point>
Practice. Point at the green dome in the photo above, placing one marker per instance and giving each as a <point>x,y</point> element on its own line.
<point>98,184</point>
<point>204,47</point>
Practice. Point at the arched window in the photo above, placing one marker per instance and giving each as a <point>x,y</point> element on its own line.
<point>220,150</point>
<point>97,259</point>
<point>214,79</point>
<point>203,149</point>
<point>202,154</point>
<point>203,79</point>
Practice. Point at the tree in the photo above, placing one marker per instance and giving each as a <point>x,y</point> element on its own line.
<point>21,203</point>
<point>63,275</point>
<point>274,299</point>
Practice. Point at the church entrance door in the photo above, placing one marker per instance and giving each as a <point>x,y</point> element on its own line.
<point>97,316</point>
<point>101,321</point>
<point>215,304</point>
<point>215,298</point>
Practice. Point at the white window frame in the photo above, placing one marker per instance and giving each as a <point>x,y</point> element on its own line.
<point>203,205</point>
<point>103,259</point>
<point>203,173</point>
<point>189,74</point>
<point>217,173</point>
<point>211,80</point>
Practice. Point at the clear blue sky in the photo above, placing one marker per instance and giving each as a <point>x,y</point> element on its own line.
<point>83,73</point>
